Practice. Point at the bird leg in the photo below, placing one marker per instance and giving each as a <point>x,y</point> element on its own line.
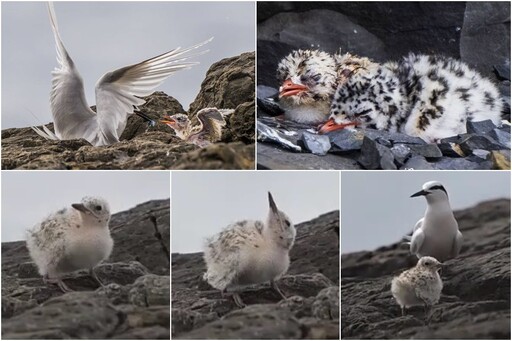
<point>60,283</point>
<point>238,300</point>
<point>95,277</point>
<point>274,286</point>
<point>403,310</point>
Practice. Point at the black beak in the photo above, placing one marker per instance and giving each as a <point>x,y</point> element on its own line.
<point>80,207</point>
<point>273,206</point>
<point>420,193</point>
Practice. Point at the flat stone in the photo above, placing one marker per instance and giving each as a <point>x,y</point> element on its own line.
<point>269,106</point>
<point>447,163</point>
<point>426,150</point>
<point>481,153</point>
<point>346,140</point>
<point>480,127</point>
<point>472,142</point>
<point>392,137</point>
<point>417,162</point>
<point>316,144</point>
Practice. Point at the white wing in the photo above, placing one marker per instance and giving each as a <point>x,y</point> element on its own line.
<point>457,244</point>
<point>117,92</point>
<point>417,241</point>
<point>71,115</point>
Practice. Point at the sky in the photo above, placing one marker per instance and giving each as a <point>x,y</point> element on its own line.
<point>104,36</point>
<point>203,203</point>
<point>376,208</point>
<point>29,196</point>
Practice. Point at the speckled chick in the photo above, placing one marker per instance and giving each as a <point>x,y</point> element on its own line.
<point>308,81</point>
<point>250,252</point>
<point>431,97</point>
<point>420,285</point>
<point>71,239</point>
<point>211,121</point>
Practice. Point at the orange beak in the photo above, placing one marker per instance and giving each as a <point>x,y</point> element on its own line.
<point>168,120</point>
<point>291,89</point>
<point>332,126</point>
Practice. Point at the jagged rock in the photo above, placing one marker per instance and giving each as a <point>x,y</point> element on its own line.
<point>426,150</point>
<point>310,286</point>
<point>417,162</point>
<point>472,142</point>
<point>501,136</point>
<point>134,302</point>
<point>475,301</point>
<point>500,159</point>
<point>229,84</point>
<point>316,144</point>
<point>467,164</point>
<point>346,140</point>
<point>480,127</point>
<point>375,156</point>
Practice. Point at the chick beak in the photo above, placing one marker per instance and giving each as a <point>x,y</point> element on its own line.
<point>168,120</point>
<point>331,125</point>
<point>291,89</point>
<point>80,207</point>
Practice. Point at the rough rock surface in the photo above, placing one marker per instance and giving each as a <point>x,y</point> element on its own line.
<point>311,310</point>
<point>227,84</point>
<point>133,304</point>
<point>476,33</point>
<point>475,301</point>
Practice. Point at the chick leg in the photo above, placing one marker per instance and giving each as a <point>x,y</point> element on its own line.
<point>238,300</point>
<point>95,277</point>
<point>274,286</point>
<point>60,283</point>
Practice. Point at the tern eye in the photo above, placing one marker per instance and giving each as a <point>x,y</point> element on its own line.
<point>97,208</point>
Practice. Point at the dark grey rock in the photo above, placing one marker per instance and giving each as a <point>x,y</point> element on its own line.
<point>375,155</point>
<point>501,136</point>
<point>393,138</point>
<point>269,106</point>
<point>450,149</point>
<point>401,153</point>
<point>346,140</point>
<point>453,164</point>
<point>480,127</point>
<point>417,162</point>
<point>503,71</point>
<point>150,290</point>
<point>276,136</point>
<point>472,142</point>
<point>481,153</point>
<point>316,144</point>
<point>426,150</point>
<point>263,92</point>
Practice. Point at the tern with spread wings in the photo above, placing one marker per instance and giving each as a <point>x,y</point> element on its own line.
<point>118,93</point>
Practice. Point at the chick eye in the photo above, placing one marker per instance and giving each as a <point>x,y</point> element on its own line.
<point>287,223</point>
<point>427,263</point>
<point>97,208</point>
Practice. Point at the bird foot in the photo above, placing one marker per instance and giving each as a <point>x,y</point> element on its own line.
<point>60,283</point>
<point>238,301</point>
<point>274,286</point>
<point>95,277</point>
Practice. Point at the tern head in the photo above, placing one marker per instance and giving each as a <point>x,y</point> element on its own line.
<point>180,123</point>
<point>306,77</point>
<point>429,263</point>
<point>279,225</point>
<point>94,208</point>
<point>432,191</point>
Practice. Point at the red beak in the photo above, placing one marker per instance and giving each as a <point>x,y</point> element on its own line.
<point>168,120</point>
<point>290,89</point>
<point>332,126</point>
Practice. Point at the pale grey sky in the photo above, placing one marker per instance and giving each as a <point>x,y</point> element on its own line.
<point>104,36</point>
<point>376,208</point>
<point>29,196</point>
<point>203,203</point>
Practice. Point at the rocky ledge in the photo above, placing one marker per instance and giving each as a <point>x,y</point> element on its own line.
<point>133,304</point>
<point>311,310</point>
<point>229,83</point>
<point>475,301</point>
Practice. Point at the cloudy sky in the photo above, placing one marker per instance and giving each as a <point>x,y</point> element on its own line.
<point>28,197</point>
<point>104,36</point>
<point>203,203</point>
<point>376,208</point>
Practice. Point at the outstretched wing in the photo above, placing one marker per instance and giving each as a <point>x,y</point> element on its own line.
<point>117,92</point>
<point>72,116</point>
<point>212,120</point>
